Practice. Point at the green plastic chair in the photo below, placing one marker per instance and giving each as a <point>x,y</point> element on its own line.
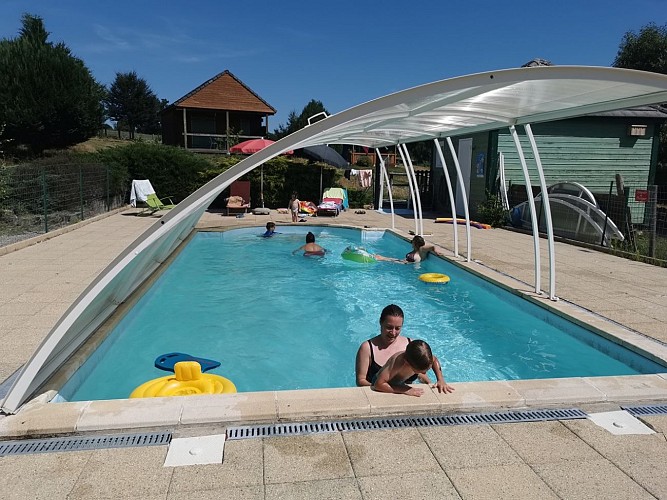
<point>155,204</point>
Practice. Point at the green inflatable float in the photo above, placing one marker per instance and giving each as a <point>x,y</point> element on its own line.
<point>358,254</point>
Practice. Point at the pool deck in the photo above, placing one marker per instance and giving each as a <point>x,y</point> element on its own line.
<point>558,459</point>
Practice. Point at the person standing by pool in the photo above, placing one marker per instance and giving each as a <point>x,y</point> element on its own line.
<point>374,353</point>
<point>311,248</point>
<point>294,207</point>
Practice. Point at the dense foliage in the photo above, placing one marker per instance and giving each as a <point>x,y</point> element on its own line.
<point>48,98</point>
<point>172,171</point>
<point>133,105</point>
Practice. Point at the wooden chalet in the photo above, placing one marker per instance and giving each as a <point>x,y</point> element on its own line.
<point>223,108</point>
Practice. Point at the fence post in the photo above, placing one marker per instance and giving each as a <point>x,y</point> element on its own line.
<point>81,191</point>
<point>606,214</point>
<point>653,214</point>
<point>108,190</point>
<point>45,198</point>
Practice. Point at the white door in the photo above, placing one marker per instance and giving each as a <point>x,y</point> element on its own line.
<point>465,162</point>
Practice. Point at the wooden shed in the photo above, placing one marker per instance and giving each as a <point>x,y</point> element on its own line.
<point>589,150</point>
<point>218,113</point>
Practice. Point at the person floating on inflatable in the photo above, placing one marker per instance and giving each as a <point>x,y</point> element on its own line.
<point>311,249</point>
<point>270,230</point>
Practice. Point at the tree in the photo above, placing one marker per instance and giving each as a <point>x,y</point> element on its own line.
<point>48,98</point>
<point>295,122</point>
<point>132,103</point>
<point>647,51</point>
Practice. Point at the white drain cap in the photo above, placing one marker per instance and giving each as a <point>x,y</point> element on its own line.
<point>196,450</point>
<point>620,422</point>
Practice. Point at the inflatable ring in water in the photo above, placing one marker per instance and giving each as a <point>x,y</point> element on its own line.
<point>357,254</point>
<point>434,278</point>
<point>188,380</point>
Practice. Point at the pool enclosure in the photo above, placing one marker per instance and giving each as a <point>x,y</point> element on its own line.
<point>435,111</point>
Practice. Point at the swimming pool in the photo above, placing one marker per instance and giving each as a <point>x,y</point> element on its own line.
<point>278,321</point>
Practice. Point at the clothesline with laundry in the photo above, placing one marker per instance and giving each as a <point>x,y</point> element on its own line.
<point>365,177</point>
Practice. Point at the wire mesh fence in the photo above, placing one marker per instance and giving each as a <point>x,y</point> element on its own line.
<point>627,218</point>
<point>36,199</point>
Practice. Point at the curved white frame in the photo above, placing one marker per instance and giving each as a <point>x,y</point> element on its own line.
<point>457,106</point>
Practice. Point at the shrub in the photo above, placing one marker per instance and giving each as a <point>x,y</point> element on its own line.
<point>172,171</point>
<point>491,211</point>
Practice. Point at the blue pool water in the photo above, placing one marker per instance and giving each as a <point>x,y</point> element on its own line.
<point>281,321</point>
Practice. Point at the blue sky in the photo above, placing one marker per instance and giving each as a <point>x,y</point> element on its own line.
<point>342,53</point>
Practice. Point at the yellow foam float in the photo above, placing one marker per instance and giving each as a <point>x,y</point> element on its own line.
<point>434,278</point>
<point>187,380</point>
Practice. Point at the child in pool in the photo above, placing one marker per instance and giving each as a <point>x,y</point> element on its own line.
<point>270,229</point>
<point>310,248</point>
<point>417,359</point>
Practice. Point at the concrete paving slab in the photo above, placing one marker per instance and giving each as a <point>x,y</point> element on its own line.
<point>408,486</point>
<point>241,466</point>
<point>631,388</point>
<point>305,458</point>
<point>130,414</point>
<point>463,446</point>
<point>545,442</point>
<point>590,479</point>
<point>224,493</point>
<point>337,403</point>
<point>43,475</point>
<point>327,489</point>
<point>473,396</point>
<point>556,391</point>
<point>124,472</point>
<point>395,404</point>
<point>238,407</point>
<point>658,423</point>
<point>383,452</point>
<point>43,419</point>
<point>500,482</point>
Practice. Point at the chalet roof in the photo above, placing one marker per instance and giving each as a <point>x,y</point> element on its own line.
<point>225,92</point>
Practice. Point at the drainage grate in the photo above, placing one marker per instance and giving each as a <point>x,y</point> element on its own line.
<point>51,445</point>
<point>296,429</point>
<point>639,411</point>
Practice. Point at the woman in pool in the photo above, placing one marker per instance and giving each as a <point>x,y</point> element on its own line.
<point>419,252</point>
<point>311,248</point>
<point>374,353</point>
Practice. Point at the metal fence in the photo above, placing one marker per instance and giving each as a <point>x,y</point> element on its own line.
<point>627,219</point>
<point>36,199</point>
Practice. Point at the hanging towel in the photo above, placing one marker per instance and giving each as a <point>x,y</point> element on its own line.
<point>365,178</point>
<point>140,191</point>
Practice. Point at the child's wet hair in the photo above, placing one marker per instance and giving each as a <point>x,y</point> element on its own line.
<point>270,225</point>
<point>419,355</point>
<point>418,241</point>
<point>391,310</point>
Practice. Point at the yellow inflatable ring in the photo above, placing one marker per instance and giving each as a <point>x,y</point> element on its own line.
<point>434,278</point>
<point>187,380</point>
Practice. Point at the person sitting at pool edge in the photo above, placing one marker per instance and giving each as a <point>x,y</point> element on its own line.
<point>419,252</point>
<point>417,359</point>
<point>310,248</point>
<point>270,229</point>
<point>373,354</point>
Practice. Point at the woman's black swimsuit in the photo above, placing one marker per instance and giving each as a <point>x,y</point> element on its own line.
<point>374,368</point>
<point>410,257</point>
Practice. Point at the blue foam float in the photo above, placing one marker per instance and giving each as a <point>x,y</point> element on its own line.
<point>167,361</point>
